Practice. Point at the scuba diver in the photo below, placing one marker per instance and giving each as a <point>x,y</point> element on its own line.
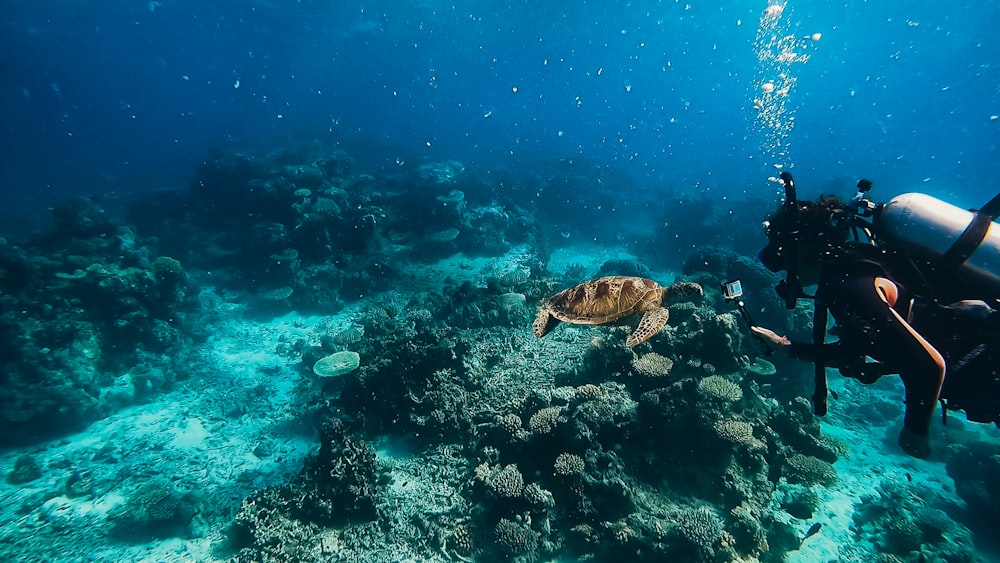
<point>913,286</point>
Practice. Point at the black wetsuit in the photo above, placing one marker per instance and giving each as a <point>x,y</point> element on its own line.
<point>874,324</point>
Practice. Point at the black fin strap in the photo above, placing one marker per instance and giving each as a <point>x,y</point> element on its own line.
<point>819,378</point>
<point>972,236</point>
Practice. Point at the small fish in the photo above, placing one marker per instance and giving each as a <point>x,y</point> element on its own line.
<point>812,531</point>
<point>834,394</point>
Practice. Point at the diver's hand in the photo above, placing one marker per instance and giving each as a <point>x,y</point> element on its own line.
<point>975,307</point>
<point>770,337</point>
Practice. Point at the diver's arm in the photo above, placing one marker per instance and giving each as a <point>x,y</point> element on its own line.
<point>831,354</point>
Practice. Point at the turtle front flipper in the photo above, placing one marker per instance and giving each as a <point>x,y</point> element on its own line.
<point>650,324</point>
<point>544,323</point>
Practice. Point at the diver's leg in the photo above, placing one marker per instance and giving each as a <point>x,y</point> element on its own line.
<point>922,369</point>
<point>876,329</point>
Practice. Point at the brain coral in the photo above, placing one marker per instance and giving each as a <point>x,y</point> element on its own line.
<point>337,364</point>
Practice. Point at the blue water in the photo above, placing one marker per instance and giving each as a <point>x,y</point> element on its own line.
<point>117,98</point>
<point>141,106</point>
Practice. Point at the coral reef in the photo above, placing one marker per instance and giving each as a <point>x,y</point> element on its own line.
<point>337,364</point>
<point>913,526</point>
<point>91,320</point>
<point>305,224</point>
<point>25,470</point>
<point>335,487</point>
<point>653,365</point>
<point>515,538</point>
<point>445,429</point>
<point>568,464</point>
<point>154,509</point>
<point>809,470</point>
<point>975,467</point>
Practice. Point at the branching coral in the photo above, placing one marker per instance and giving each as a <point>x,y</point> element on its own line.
<point>809,470</point>
<point>699,528</point>
<point>507,482</point>
<point>738,432</point>
<point>568,464</point>
<point>539,497</point>
<point>719,388</point>
<point>515,538</point>
<point>652,365</point>
<point>588,392</point>
<point>512,424</point>
<point>545,420</point>
<point>341,479</point>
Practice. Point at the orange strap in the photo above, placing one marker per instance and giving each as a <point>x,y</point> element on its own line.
<point>889,293</point>
<point>887,290</point>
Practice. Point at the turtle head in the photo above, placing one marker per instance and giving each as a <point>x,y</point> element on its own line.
<point>684,291</point>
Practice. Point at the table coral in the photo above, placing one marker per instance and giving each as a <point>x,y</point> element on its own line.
<point>337,364</point>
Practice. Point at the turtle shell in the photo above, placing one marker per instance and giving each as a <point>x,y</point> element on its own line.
<point>605,300</point>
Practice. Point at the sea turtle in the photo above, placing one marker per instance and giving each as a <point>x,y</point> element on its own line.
<point>605,300</point>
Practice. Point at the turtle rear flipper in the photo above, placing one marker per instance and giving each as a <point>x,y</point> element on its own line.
<point>650,324</point>
<point>544,323</point>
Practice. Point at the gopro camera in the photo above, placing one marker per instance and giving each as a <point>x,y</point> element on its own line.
<point>732,290</point>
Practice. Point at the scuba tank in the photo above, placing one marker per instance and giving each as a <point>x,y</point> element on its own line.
<point>944,235</point>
